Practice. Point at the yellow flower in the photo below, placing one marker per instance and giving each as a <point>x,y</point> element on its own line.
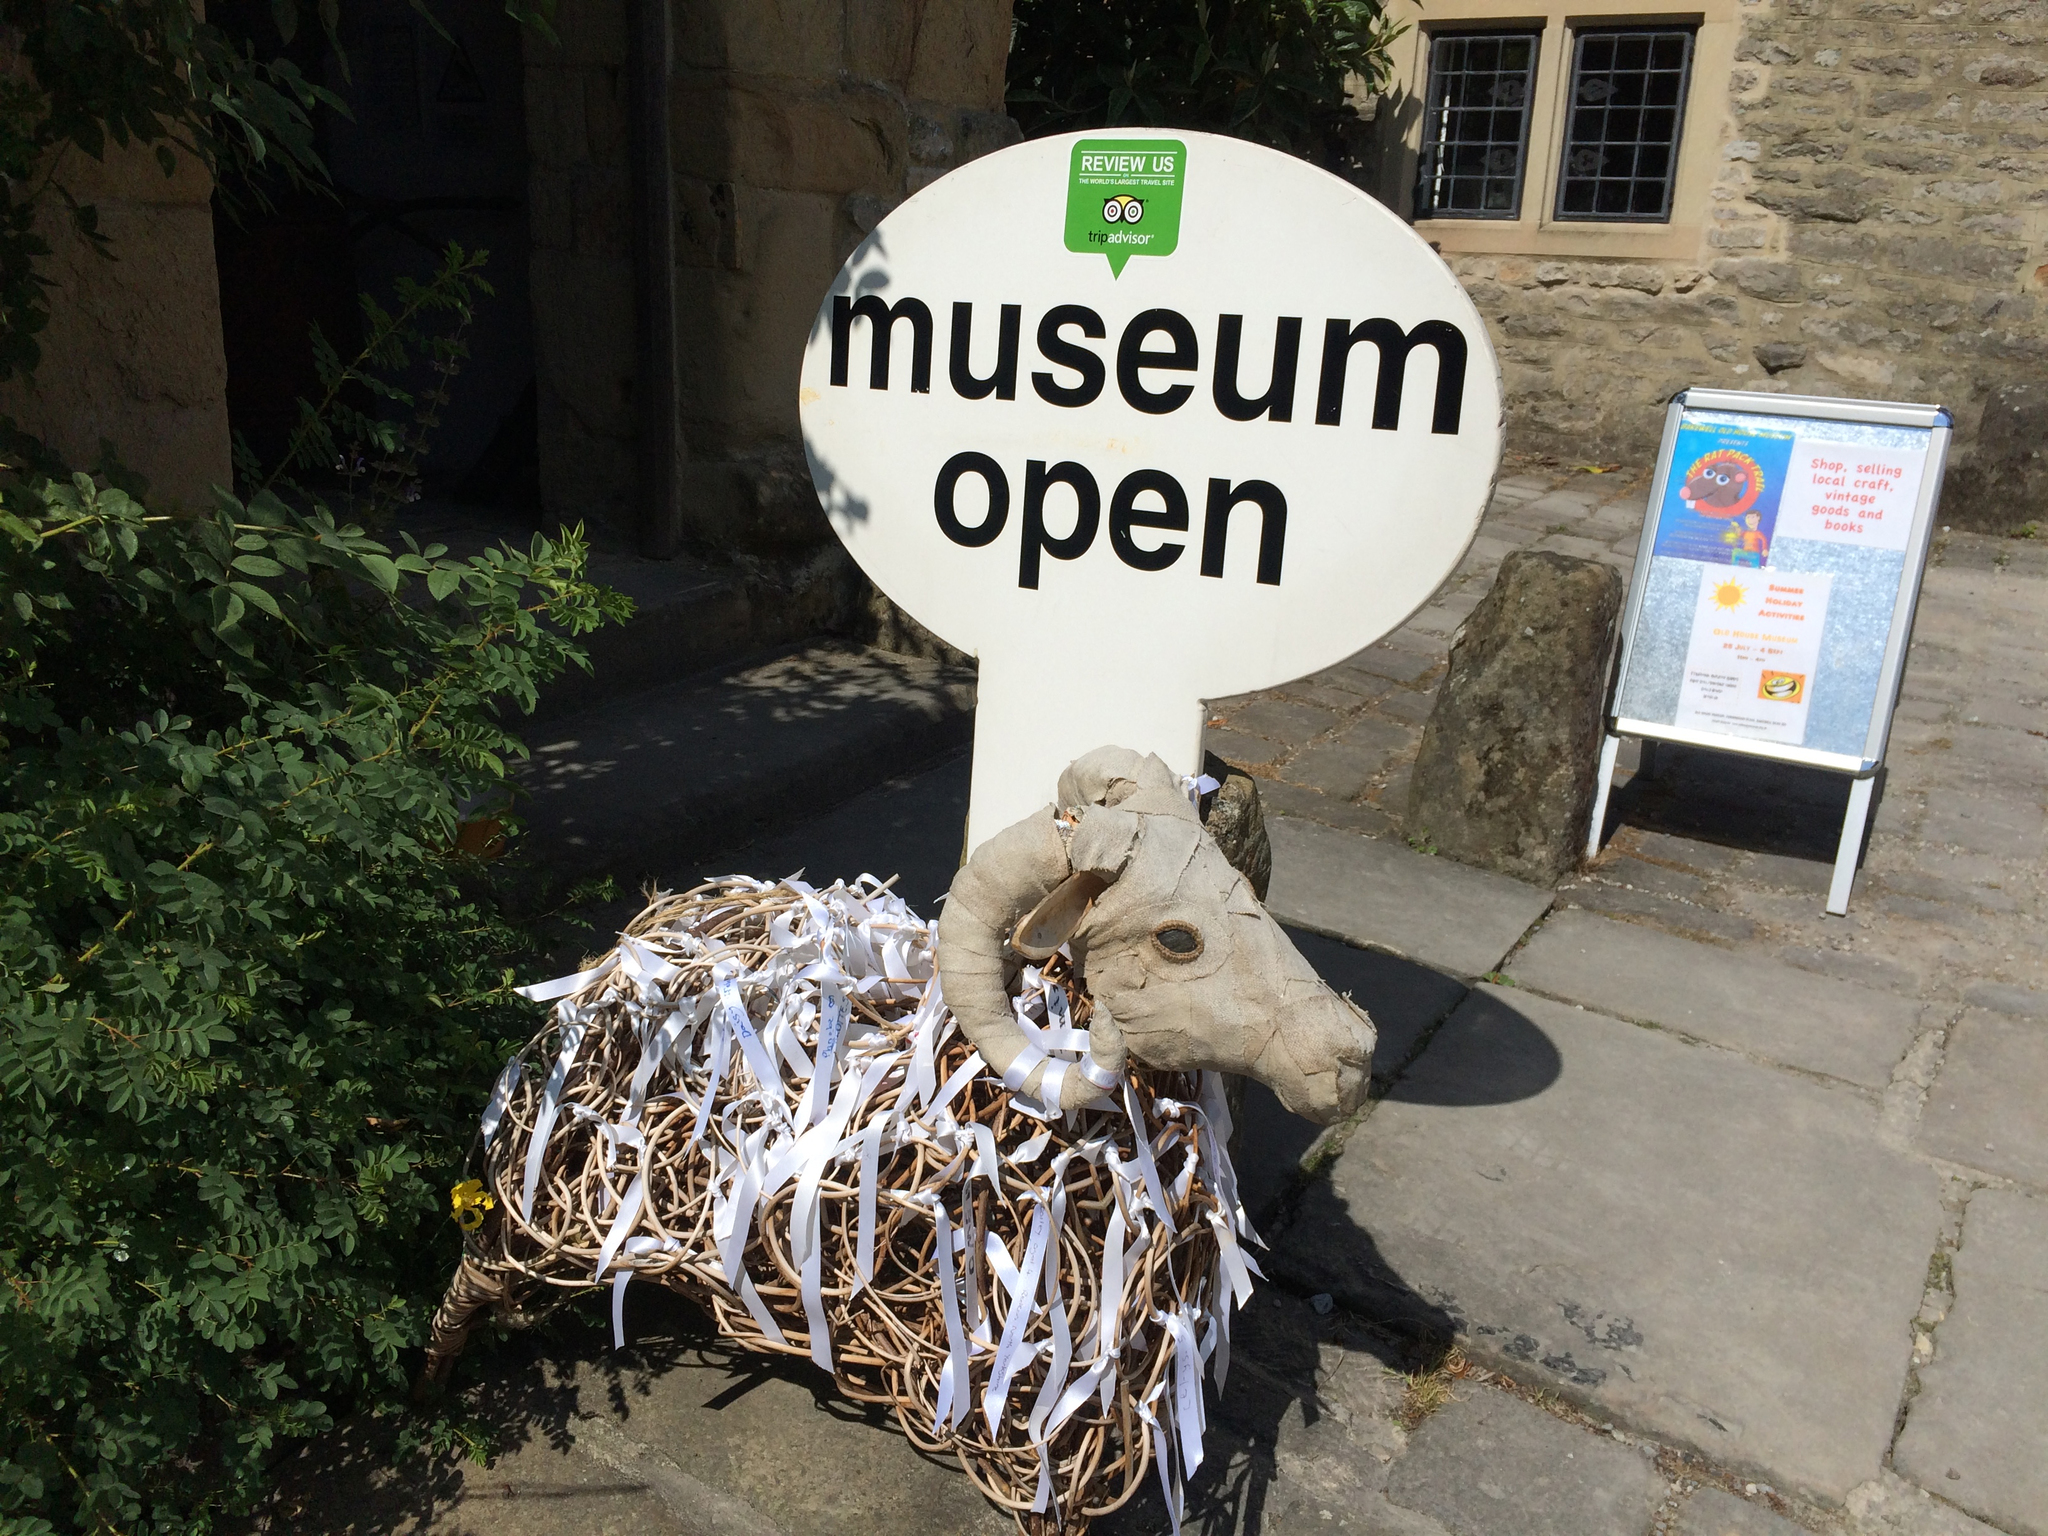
<point>470,1203</point>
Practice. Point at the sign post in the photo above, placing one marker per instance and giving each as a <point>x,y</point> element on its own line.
<point>1775,584</point>
<point>1140,420</point>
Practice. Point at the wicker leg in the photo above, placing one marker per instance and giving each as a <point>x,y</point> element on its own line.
<point>472,1289</point>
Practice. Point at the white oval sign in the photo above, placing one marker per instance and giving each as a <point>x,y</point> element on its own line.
<point>1140,418</point>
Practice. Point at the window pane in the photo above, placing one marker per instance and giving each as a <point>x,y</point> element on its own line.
<point>1621,137</point>
<point>1476,126</point>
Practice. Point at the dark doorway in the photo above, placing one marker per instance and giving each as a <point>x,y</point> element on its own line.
<point>435,152</point>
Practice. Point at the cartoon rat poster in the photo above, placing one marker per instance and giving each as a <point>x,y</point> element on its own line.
<point>1721,501</point>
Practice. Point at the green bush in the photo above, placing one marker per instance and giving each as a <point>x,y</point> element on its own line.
<point>249,995</point>
<point>1270,70</point>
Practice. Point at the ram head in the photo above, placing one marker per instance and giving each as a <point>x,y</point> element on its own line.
<point>1186,969</point>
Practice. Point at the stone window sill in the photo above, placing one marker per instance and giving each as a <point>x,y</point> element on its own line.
<point>1531,237</point>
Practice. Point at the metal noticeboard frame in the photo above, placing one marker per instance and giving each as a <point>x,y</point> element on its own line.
<point>1862,767</point>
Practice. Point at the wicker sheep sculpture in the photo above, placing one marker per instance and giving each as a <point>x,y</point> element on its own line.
<point>981,1176</point>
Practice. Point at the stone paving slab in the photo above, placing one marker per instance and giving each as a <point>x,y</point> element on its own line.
<point>1989,1107</point>
<point>1706,1248</point>
<point>645,784</point>
<point>675,1434</point>
<point>1384,894</point>
<point>1716,1512</point>
<point>1486,1464</point>
<point>1733,998</point>
<point>1300,1440</point>
<point>1977,1433</point>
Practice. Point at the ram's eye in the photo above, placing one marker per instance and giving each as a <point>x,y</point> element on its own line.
<point>1177,941</point>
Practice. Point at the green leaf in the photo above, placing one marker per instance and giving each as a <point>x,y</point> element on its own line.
<point>443,580</point>
<point>257,565</point>
<point>227,609</point>
<point>381,570</point>
<point>256,597</point>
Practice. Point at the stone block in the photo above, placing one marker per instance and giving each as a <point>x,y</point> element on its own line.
<point>1362,752</point>
<point>1693,1244</point>
<point>742,327</point>
<point>1232,816</point>
<point>1487,1461</point>
<point>601,213</point>
<point>1777,357</point>
<point>607,114</point>
<point>1284,720</point>
<point>959,53</point>
<point>1761,1007</point>
<point>1380,893</point>
<point>584,338</point>
<point>556,135</point>
<point>1407,706</point>
<point>985,132</point>
<point>1973,1434</point>
<point>1984,1110</point>
<point>1383,660</point>
<point>833,139</point>
<point>2003,71</point>
<point>1279,798</point>
<point>1715,1512</point>
<point>1933,256</point>
<point>1777,281</point>
<point>552,220</point>
<point>2021,1002</point>
<point>2004,825</point>
<point>2004,481</point>
<point>587,33</point>
<point>132,353</point>
<point>1245,751</point>
<point>794,39</point>
<point>1679,917</point>
<point>1504,776</point>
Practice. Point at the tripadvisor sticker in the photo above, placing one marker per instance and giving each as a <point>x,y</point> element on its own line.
<point>1123,198</point>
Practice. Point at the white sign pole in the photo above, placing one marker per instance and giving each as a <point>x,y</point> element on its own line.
<point>1140,420</point>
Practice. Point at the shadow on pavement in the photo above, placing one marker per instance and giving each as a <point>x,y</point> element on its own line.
<point>1285,1354</point>
<point>1736,802</point>
<point>714,1414</point>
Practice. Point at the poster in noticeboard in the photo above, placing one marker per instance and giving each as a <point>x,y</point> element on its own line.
<point>1778,550</point>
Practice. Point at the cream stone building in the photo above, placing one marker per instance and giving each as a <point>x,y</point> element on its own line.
<point>1823,196</point>
<point>1827,197</point>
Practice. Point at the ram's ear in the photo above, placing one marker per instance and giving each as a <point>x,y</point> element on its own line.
<point>1042,930</point>
<point>1104,841</point>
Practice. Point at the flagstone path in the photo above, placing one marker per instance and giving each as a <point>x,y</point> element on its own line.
<point>1736,1214</point>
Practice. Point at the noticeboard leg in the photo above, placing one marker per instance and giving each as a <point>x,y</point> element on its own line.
<point>1646,765</point>
<point>1852,844</point>
<point>1608,750</point>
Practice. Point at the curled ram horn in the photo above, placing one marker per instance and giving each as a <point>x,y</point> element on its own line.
<point>1191,971</point>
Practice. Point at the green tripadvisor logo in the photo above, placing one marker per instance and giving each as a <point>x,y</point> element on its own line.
<point>1123,198</point>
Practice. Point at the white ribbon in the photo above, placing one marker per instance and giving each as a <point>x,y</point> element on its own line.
<point>1146,1166</point>
<point>565,986</point>
<point>501,1096</point>
<point>951,1401</point>
<point>550,1107</point>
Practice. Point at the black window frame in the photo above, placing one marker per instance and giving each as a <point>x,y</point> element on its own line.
<point>1575,113</point>
<point>1436,110</point>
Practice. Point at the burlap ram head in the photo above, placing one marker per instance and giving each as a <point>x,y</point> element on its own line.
<point>1187,970</point>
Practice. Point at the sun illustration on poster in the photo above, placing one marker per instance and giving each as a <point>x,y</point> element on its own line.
<point>1730,594</point>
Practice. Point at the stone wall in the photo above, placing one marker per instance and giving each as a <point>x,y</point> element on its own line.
<point>132,354</point>
<point>796,125</point>
<point>1878,228</point>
